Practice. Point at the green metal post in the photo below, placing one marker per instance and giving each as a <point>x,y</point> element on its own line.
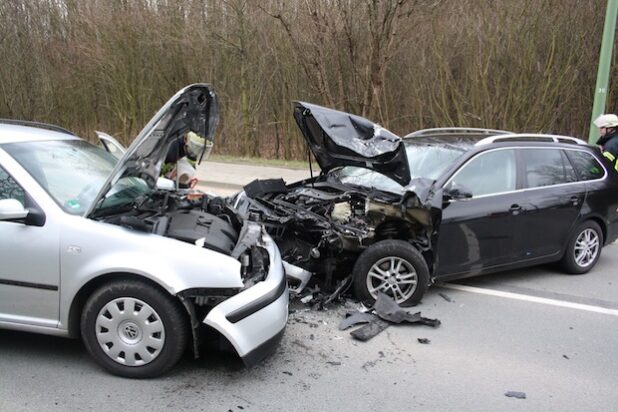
<point>605,58</point>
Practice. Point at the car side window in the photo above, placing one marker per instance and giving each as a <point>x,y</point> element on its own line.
<point>587,167</point>
<point>9,188</point>
<point>488,173</point>
<point>545,167</point>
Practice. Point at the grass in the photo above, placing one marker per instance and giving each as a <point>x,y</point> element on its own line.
<point>258,161</point>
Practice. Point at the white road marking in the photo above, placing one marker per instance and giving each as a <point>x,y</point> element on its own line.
<point>535,299</point>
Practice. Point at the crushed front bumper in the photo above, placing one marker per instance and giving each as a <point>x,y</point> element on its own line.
<point>253,321</point>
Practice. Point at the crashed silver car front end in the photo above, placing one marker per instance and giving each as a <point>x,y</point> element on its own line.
<point>253,320</point>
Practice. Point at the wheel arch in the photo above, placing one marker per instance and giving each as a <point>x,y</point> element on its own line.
<point>406,231</point>
<point>89,287</point>
<point>593,218</point>
<point>602,225</point>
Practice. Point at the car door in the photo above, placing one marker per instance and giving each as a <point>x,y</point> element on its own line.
<point>479,232</point>
<point>29,263</point>
<point>552,203</point>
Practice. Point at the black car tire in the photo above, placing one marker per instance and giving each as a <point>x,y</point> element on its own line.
<point>383,257</point>
<point>569,260</point>
<point>163,334</point>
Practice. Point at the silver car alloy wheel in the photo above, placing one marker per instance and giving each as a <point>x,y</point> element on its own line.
<point>130,331</point>
<point>394,276</point>
<point>586,247</point>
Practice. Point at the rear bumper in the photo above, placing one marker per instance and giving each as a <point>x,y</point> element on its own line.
<point>254,320</point>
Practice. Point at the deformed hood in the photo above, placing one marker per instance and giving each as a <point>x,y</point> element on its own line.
<point>343,139</point>
<point>194,108</point>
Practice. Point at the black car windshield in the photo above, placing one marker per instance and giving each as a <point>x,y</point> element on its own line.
<point>426,160</point>
<point>72,172</point>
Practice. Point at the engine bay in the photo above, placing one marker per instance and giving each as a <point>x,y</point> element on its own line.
<point>323,226</point>
<point>201,220</point>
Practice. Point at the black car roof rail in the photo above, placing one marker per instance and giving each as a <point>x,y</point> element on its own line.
<point>38,125</point>
<point>531,137</point>
<point>456,131</point>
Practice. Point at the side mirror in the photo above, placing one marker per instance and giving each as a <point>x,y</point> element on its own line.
<point>456,192</point>
<point>12,209</point>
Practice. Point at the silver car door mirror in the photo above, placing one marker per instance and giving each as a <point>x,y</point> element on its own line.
<point>12,209</point>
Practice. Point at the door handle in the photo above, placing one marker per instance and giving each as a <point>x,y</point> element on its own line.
<point>515,209</point>
<point>574,200</point>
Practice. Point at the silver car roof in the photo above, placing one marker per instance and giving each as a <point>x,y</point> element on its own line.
<point>11,133</point>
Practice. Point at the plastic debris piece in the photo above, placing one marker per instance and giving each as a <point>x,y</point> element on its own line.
<point>513,394</point>
<point>300,276</point>
<point>445,297</point>
<point>307,299</point>
<point>424,341</point>
<point>369,330</point>
<point>356,318</point>
<point>387,309</point>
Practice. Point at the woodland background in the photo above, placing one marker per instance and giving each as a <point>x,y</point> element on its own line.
<point>521,65</point>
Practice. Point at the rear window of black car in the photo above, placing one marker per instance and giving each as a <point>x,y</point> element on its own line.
<point>586,166</point>
<point>546,167</point>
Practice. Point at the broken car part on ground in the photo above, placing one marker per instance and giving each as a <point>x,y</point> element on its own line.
<point>387,312</point>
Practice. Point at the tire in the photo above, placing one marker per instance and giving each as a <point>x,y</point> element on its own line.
<point>584,248</point>
<point>392,266</point>
<point>142,343</point>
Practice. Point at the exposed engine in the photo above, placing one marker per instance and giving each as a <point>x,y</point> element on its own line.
<point>201,220</point>
<point>324,226</point>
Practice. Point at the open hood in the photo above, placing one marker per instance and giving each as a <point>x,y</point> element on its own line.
<point>194,108</point>
<point>343,139</point>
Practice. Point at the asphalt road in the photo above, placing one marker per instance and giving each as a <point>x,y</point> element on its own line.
<point>538,331</point>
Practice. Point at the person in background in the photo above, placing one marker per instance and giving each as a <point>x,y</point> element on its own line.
<point>183,149</point>
<point>608,126</point>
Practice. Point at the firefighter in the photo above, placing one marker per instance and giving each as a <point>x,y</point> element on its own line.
<point>608,125</point>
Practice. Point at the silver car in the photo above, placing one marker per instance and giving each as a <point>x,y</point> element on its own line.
<point>92,247</point>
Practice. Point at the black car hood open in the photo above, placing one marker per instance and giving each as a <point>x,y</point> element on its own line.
<point>343,139</point>
<point>193,108</point>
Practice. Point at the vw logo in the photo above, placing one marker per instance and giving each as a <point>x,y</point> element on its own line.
<point>131,331</point>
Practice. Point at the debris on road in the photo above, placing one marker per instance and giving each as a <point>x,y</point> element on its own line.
<point>319,298</point>
<point>356,318</point>
<point>445,297</point>
<point>565,357</point>
<point>370,330</point>
<point>424,341</point>
<point>513,394</point>
<point>387,311</point>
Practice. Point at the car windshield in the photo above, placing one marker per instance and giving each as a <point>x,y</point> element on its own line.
<point>425,160</point>
<point>72,172</point>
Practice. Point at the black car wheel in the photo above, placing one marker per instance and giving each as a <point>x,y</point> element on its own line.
<point>583,249</point>
<point>133,329</point>
<point>394,267</point>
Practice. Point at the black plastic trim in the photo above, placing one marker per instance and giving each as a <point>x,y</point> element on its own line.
<point>265,349</point>
<point>265,300</point>
<point>28,284</point>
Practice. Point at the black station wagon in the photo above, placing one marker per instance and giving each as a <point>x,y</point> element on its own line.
<point>439,204</point>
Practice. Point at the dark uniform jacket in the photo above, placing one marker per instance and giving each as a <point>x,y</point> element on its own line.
<point>609,143</point>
